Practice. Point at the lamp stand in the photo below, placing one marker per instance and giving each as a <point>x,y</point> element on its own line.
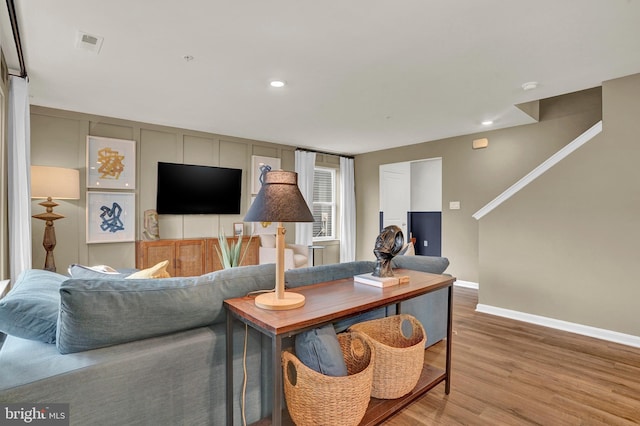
<point>279,300</point>
<point>49,241</point>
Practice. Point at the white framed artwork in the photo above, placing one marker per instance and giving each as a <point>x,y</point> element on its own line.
<point>111,163</point>
<point>111,217</point>
<point>259,166</point>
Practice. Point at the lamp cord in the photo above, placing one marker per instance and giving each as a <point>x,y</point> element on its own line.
<point>244,370</point>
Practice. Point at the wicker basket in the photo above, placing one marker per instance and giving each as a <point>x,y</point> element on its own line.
<point>317,399</point>
<point>399,359</point>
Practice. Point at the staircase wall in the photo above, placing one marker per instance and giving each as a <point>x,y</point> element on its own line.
<point>566,247</point>
<point>474,177</point>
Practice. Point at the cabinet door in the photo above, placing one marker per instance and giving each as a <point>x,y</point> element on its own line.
<point>213,259</point>
<point>150,253</point>
<point>251,256</point>
<point>190,258</point>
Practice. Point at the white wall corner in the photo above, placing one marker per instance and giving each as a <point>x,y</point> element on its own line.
<point>585,330</point>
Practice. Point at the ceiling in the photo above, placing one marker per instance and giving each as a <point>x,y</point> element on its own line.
<point>362,75</point>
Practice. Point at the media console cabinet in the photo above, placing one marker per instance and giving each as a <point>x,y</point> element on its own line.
<point>191,257</point>
<point>326,303</point>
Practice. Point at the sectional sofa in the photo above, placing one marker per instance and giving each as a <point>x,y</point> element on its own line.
<point>134,352</point>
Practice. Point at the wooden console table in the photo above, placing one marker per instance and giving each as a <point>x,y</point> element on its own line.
<point>326,303</point>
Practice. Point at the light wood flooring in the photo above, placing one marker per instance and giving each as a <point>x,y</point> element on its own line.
<point>507,372</point>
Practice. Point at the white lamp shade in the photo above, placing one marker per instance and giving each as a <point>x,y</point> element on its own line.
<point>55,182</point>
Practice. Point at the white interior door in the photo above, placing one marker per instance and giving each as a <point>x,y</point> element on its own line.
<point>395,194</point>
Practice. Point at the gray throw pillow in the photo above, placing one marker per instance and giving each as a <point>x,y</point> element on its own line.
<point>96,272</point>
<point>30,309</point>
<point>319,350</point>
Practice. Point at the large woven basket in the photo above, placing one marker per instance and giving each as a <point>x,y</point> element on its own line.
<point>399,358</point>
<point>316,399</point>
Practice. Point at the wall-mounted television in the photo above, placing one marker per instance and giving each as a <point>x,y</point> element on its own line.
<point>193,189</point>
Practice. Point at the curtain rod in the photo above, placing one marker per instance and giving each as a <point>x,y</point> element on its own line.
<point>324,152</point>
<point>11,8</point>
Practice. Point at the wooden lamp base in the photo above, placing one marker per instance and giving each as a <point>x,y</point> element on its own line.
<point>279,300</point>
<point>49,240</point>
<point>270,301</point>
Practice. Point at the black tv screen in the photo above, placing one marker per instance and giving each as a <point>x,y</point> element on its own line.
<point>191,189</point>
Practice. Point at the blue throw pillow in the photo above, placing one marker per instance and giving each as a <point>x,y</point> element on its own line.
<point>30,309</point>
<point>319,350</point>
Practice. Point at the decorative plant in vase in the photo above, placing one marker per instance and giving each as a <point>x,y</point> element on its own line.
<point>231,255</point>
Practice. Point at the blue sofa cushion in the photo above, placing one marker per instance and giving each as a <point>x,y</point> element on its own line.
<point>100,312</point>
<point>317,274</point>
<point>30,309</point>
<point>319,350</point>
<point>431,264</point>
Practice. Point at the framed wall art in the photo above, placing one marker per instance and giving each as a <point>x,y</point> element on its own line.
<point>111,217</point>
<point>111,163</point>
<point>260,165</point>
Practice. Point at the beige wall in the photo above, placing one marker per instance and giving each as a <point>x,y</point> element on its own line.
<point>4,215</point>
<point>566,246</point>
<point>58,138</point>
<point>475,177</point>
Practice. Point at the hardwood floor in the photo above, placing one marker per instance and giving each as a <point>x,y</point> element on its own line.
<point>507,372</point>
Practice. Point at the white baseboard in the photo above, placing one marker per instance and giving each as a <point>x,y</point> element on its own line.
<point>585,330</point>
<point>466,284</point>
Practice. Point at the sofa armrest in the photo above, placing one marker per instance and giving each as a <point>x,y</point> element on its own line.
<point>299,249</point>
<point>268,255</point>
<point>300,255</point>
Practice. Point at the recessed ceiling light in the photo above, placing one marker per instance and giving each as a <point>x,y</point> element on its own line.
<point>530,85</point>
<point>187,58</point>
<point>487,123</point>
<point>277,83</point>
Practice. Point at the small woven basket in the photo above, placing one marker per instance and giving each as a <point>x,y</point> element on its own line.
<point>399,358</point>
<point>317,399</point>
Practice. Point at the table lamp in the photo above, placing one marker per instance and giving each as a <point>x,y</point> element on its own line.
<point>279,200</point>
<point>50,183</point>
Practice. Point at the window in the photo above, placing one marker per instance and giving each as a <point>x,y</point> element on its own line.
<point>324,204</point>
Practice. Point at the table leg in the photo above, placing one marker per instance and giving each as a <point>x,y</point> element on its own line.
<point>229,356</point>
<point>447,385</point>
<point>276,353</point>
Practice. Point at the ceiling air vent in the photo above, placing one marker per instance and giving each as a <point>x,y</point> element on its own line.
<point>89,42</point>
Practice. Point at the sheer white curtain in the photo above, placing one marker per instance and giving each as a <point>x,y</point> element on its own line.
<point>347,211</point>
<point>19,180</point>
<point>305,166</point>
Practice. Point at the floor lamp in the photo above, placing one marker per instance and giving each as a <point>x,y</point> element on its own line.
<point>50,183</point>
<point>279,200</point>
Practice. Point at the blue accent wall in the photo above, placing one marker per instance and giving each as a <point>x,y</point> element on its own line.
<point>427,226</point>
